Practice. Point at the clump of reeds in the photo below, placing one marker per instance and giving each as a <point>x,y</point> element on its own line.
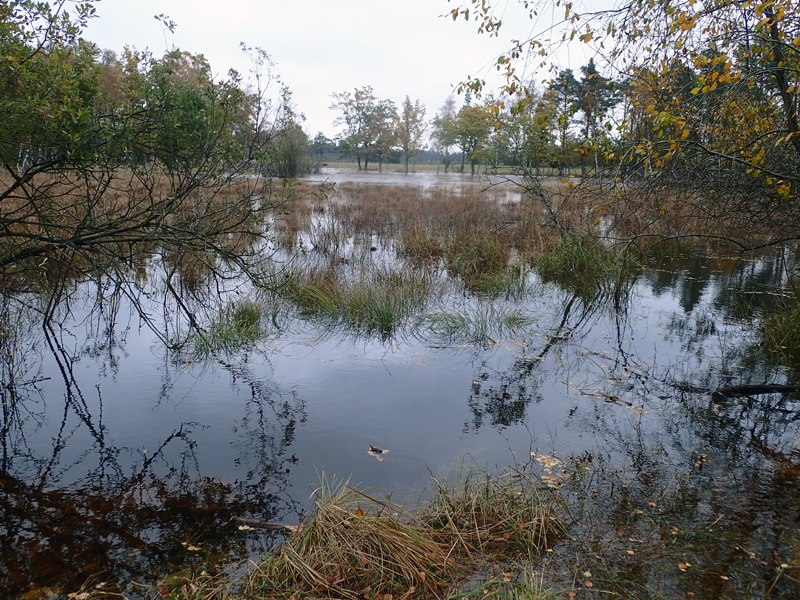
<point>370,300</point>
<point>354,546</point>
<point>780,332</point>
<point>420,245</point>
<point>481,324</point>
<point>503,517</point>
<point>584,264</point>
<point>477,256</point>
<point>511,282</point>
<point>238,324</point>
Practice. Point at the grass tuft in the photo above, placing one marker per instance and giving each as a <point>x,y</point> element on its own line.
<point>505,517</point>
<point>582,264</point>
<point>354,546</point>
<point>239,324</point>
<point>482,324</point>
<point>372,300</point>
<point>420,246</point>
<point>780,332</point>
<point>477,257</point>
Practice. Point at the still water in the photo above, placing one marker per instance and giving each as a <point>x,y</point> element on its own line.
<point>117,453</point>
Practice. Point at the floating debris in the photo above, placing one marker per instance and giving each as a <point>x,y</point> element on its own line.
<point>376,452</point>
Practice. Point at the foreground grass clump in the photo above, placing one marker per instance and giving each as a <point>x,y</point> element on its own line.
<point>506,517</point>
<point>583,264</point>
<point>354,546</point>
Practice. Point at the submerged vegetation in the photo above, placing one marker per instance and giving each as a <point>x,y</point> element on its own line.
<point>780,332</point>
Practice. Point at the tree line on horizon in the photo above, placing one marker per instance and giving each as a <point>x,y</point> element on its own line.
<point>552,127</point>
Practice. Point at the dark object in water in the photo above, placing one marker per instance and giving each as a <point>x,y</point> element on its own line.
<point>376,452</point>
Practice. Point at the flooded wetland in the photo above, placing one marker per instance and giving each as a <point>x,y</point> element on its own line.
<point>409,327</point>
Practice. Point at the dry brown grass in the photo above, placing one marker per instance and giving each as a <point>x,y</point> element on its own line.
<point>687,220</point>
<point>506,517</point>
<point>354,546</point>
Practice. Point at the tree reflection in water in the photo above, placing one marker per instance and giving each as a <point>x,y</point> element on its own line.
<point>73,504</point>
<point>675,476</point>
<point>625,378</point>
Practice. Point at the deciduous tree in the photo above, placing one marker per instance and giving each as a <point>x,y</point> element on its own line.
<point>472,128</point>
<point>443,130</point>
<point>410,128</point>
<point>107,164</point>
<point>711,107</point>
<point>358,114</point>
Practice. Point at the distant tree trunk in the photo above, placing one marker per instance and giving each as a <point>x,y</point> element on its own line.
<point>406,165</point>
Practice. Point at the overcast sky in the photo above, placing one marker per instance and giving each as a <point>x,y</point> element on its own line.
<point>399,47</point>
